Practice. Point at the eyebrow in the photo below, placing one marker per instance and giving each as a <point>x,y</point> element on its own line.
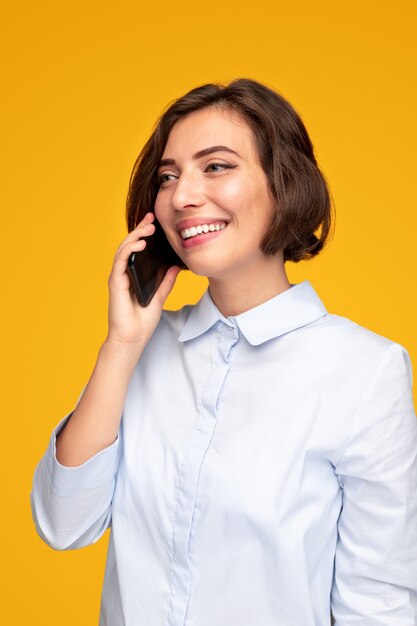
<point>200,154</point>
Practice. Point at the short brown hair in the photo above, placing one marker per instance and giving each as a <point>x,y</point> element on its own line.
<point>285,152</point>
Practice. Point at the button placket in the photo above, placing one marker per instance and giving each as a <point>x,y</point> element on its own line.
<point>190,471</point>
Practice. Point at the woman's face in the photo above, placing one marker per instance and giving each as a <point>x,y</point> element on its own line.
<point>210,177</point>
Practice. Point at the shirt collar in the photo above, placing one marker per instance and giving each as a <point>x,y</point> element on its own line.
<point>291,309</point>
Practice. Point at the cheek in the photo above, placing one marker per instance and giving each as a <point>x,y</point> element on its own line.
<point>246,200</point>
<point>159,209</point>
<point>232,194</point>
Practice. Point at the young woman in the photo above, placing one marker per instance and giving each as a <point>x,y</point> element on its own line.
<point>254,455</point>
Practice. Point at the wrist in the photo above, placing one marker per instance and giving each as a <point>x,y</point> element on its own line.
<point>127,351</point>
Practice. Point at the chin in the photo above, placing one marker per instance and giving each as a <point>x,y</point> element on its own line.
<point>205,267</point>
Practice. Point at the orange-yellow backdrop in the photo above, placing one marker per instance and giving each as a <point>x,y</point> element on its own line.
<point>83,83</point>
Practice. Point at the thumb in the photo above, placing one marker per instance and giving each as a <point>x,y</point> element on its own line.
<point>167,283</point>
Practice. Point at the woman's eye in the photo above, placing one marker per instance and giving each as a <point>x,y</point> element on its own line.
<point>221,165</point>
<point>211,167</point>
<point>164,178</point>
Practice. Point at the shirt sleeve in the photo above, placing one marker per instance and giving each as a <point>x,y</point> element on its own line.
<point>375,575</point>
<point>71,506</point>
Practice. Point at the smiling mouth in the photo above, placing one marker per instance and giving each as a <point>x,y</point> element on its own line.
<point>193,231</point>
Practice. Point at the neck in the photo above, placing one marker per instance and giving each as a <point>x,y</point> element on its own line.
<point>237,295</point>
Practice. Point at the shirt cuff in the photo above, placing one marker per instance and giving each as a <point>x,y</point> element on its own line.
<point>97,471</point>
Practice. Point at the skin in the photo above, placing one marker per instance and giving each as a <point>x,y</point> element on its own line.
<point>240,275</point>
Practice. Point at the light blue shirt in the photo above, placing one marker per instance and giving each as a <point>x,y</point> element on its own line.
<point>264,474</point>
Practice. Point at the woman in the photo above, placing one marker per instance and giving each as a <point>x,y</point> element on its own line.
<point>254,455</point>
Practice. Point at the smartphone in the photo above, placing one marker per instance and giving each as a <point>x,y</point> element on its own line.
<point>148,267</point>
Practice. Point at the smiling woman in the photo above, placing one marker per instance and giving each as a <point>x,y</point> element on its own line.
<point>235,195</point>
<point>275,138</point>
<point>254,455</point>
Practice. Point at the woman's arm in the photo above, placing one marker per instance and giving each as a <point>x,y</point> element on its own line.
<point>375,581</point>
<point>95,421</point>
<point>74,482</point>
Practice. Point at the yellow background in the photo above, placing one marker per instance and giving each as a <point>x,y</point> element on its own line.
<point>83,83</point>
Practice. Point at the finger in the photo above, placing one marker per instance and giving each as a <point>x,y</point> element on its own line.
<point>167,284</point>
<point>140,231</point>
<point>121,258</point>
<point>146,226</point>
<point>148,218</point>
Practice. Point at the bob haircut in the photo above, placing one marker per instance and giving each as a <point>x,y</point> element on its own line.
<point>286,154</point>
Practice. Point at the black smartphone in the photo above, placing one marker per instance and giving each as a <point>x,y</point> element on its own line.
<point>148,267</point>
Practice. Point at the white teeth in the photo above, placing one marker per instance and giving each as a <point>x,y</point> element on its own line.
<point>201,228</point>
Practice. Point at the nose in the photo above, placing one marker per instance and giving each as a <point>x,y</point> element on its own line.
<point>188,191</point>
